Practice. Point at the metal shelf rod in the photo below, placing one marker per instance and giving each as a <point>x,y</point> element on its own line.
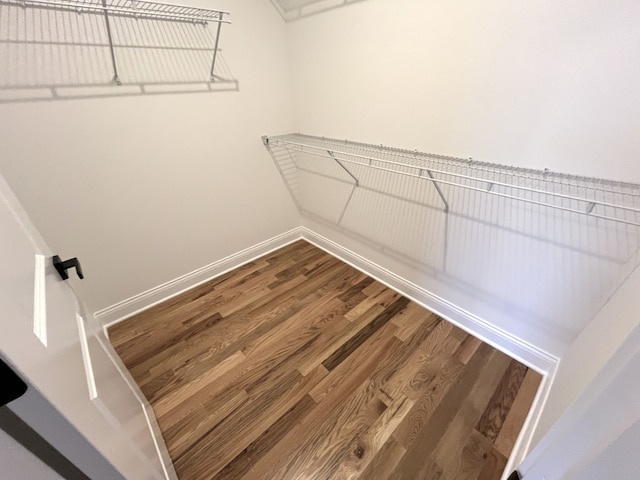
<point>158,10</point>
<point>357,182</point>
<point>116,77</point>
<point>480,166</point>
<point>504,195</point>
<point>439,190</point>
<point>139,9</point>
<point>102,44</point>
<point>215,51</point>
<point>457,175</point>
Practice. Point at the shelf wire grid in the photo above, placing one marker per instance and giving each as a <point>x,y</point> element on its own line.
<point>130,8</point>
<point>79,48</point>
<point>603,199</point>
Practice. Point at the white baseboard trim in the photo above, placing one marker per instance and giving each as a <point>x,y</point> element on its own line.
<point>502,340</point>
<point>136,304</point>
<point>523,443</point>
<point>152,424</point>
<point>513,346</point>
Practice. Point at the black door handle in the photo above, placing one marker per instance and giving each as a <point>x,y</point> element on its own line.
<point>62,267</point>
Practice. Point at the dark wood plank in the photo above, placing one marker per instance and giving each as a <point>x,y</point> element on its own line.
<point>498,408</point>
<point>357,288</point>
<point>353,343</point>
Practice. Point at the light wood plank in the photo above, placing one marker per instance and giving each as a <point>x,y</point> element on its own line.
<point>518,413</point>
<point>366,447</point>
<point>381,466</point>
<point>409,320</point>
<point>467,348</point>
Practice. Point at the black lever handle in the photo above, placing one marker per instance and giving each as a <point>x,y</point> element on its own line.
<point>62,267</point>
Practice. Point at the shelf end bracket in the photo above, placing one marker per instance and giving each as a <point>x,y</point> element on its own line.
<point>439,190</point>
<point>116,77</point>
<point>215,50</point>
<point>344,168</point>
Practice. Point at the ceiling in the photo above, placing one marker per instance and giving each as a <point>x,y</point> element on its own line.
<point>295,9</point>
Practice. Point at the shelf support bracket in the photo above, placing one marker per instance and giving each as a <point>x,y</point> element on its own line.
<point>265,141</point>
<point>215,49</point>
<point>439,190</point>
<point>343,167</point>
<point>591,206</point>
<point>116,77</point>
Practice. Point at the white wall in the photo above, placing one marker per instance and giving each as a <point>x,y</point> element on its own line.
<point>144,189</point>
<point>534,84</point>
<point>619,460</point>
<point>537,274</point>
<point>594,348</point>
<point>599,427</point>
<point>537,84</point>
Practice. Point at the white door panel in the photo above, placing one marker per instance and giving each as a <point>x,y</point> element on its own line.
<point>119,401</point>
<point>61,351</point>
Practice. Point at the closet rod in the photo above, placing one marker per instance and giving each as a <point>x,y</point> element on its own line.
<point>327,145</point>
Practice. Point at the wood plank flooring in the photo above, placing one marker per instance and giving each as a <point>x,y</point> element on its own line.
<point>297,366</point>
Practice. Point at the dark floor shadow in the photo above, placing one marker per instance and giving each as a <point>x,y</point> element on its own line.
<point>38,446</point>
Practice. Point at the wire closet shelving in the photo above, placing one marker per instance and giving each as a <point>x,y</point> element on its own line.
<point>137,9</point>
<point>596,198</point>
<point>291,10</point>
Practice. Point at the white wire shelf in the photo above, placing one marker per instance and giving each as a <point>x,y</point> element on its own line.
<point>132,8</point>
<point>125,10</point>
<point>603,199</point>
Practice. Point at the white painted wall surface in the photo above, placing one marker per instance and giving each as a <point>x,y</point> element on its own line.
<point>598,343</point>
<point>536,84</point>
<point>620,460</point>
<point>533,85</point>
<point>594,433</point>
<point>537,273</point>
<point>144,189</point>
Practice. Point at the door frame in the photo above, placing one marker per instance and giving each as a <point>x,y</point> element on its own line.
<point>38,412</point>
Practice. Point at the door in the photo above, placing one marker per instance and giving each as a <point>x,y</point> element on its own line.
<point>596,438</point>
<point>61,351</point>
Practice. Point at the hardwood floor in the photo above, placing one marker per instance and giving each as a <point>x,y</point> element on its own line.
<point>297,366</point>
